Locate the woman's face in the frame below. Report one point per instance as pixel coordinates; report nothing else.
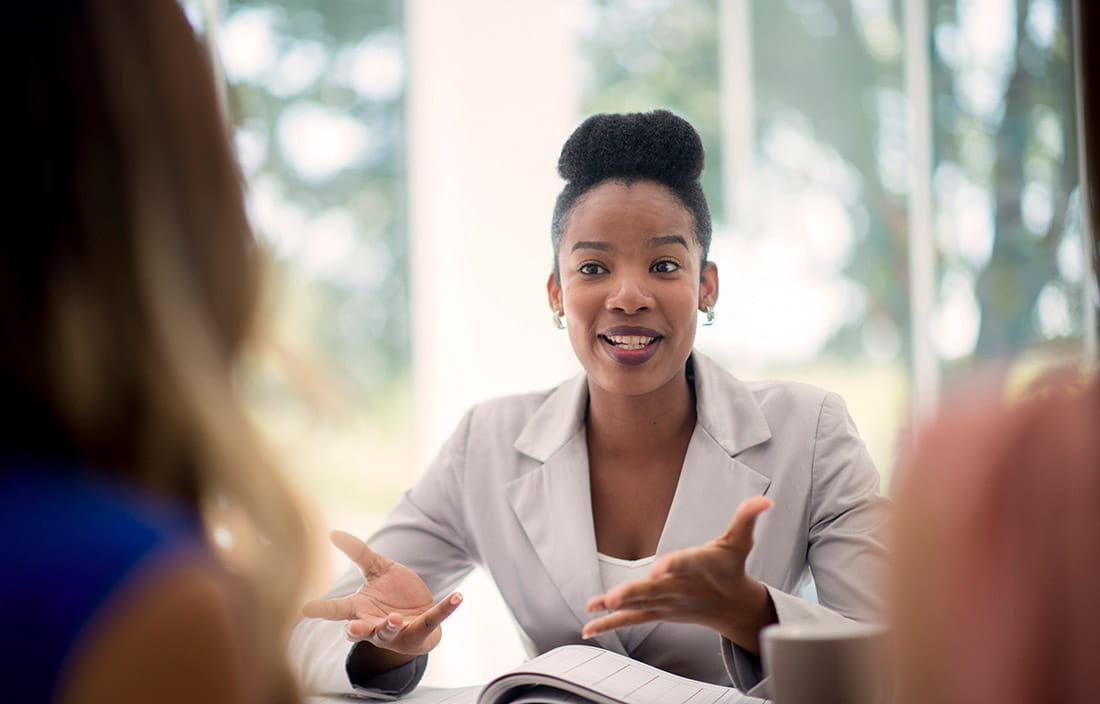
(629, 284)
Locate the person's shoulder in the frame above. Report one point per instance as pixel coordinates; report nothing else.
(764, 392)
(74, 541)
(790, 394)
(105, 517)
(777, 400)
(534, 424)
(79, 537)
(193, 612)
(510, 406)
(514, 411)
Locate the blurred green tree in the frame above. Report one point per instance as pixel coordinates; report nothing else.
(834, 67)
(1030, 167)
(317, 94)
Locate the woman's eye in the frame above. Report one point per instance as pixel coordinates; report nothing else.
(591, 269)
(666, 266)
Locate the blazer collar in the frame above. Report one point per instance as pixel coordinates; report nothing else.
(556, 421)
(553, 501)
(725, 406)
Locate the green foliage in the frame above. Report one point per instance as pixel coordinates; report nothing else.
(1034, 141)
(352, 315)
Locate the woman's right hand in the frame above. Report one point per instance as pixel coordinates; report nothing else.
(394, 610)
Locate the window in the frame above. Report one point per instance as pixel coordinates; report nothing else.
(894, 186)
(813, 132)
(317, 99)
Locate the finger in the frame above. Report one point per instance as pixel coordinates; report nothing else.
(430, 619)
(607, 601)
(619, 619)
(370, 562)
(385, 631)
(739, 534)
(681, 562)
(596, 603)
(338, 609)
(654, 601)
(359, 629)
(639, 590)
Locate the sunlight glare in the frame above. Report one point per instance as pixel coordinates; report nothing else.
(320, 141)
(248, 45)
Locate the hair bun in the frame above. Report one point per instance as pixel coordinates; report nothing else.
(657, 144)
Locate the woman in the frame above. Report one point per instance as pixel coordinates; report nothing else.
(124, 447)
(615, 491)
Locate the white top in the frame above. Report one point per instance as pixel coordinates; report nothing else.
(615, 571)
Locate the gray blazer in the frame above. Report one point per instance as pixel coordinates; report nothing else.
(509, 491)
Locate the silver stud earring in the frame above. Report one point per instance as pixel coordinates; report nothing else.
(709, 310)
(557, 320)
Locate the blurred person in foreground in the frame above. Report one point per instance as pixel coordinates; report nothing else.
(619, 508)
(128, 289)
(997, 574)
(997, 583)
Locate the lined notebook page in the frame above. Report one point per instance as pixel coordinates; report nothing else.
(621, 678)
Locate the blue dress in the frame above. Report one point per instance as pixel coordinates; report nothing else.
(67, 542)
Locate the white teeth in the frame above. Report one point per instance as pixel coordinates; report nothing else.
(629, 342)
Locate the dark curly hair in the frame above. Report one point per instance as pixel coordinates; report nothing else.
(629, 147)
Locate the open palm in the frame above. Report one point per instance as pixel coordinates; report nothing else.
(706, 585)
(394, 609)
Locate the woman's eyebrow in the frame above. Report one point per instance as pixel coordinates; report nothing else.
(666, 239)
(588, 244)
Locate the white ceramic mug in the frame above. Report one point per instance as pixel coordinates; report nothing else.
(836, 663)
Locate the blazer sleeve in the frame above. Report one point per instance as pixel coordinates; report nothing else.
(846, 541)
(426, 532)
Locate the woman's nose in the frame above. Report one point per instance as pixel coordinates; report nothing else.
(629, 295)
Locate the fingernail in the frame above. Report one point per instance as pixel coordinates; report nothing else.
(456, 599)
(390, 626)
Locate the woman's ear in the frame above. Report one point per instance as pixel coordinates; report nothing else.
(708, 286)
(553, 293)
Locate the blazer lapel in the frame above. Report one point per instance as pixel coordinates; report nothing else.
(709, 481)
(713, 482)
(553, 502)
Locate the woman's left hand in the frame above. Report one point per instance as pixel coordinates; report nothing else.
(705, 585)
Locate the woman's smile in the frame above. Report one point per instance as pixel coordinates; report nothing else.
(630, 345)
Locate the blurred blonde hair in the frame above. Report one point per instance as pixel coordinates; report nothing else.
(129, 300)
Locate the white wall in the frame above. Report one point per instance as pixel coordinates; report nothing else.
(492, 98)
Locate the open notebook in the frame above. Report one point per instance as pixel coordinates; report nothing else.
(583, 674)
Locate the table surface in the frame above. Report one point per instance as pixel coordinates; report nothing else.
(421, 695)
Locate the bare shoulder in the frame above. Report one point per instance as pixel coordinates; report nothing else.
(172, 633)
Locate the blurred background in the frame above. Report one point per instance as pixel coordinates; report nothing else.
(894, 186)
